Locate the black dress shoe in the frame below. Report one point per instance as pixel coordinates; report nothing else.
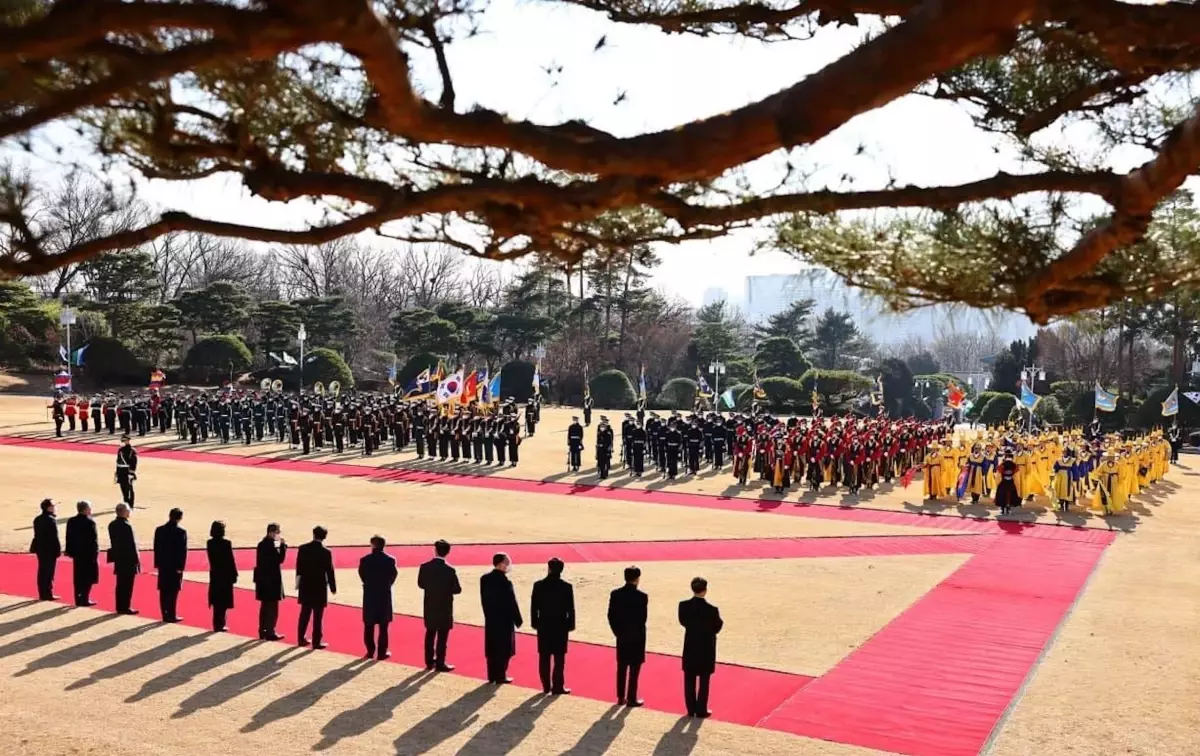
(562, 692)
(172, 620)
(85, 603)
(702, 714)
(502, 681)
(385, 655)
(129, 612)
(320, 644)
(445, 668)
(270, 636)
(633, 704)
(302, 642)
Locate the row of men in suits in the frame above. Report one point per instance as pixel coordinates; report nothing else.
(552, 604)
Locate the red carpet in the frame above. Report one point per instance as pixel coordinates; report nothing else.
(817, 511)
(742, 695)
(345, 557)
(936, 681)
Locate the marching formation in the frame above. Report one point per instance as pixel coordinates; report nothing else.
(855, 453)
(1099, 472)
(552, 612)
(485, 434)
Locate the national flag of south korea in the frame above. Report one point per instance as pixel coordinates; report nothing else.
(451, 387)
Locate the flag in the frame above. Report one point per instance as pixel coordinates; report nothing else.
(642, 384)
(62, 354)
(587, 387)
(289, 359)
(491, 394)
(450, 387)
(275, 356)
(476, 380)
(420, 386)
(158, 379)
(1193, 395)
(877, 394)
(702, 385)
(727, 398)
(62, 381)
(1105, 401)
(1170, 407)
(955, 396)
(759, 391)
(77, 356)
(537, 378)
(1029, 400)
(961, 488)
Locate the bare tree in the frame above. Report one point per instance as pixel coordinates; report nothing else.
(429, 274)
(963, 351)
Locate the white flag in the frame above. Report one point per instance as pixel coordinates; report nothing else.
(1193, 395)
(62, 353)
(289, 359)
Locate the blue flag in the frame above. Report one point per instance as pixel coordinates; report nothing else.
(1170, 407)
(1029, 400)
(492, 392)
(1105, 401)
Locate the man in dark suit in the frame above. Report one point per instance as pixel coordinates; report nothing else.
(48, 549)
(701, 622)
(552, 615)
(315, 580)
(627, 608)
(501, 618)
(170, 560)
(268, 580)
(378, 573)
(123, 556)
(83, 547)
(439, 581)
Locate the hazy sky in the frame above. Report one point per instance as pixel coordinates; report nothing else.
(665, 80)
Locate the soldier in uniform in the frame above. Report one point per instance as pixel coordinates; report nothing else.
(588, 403)
(58, 412)
(260, 418)
(97, 413)
(673, 443)
(500, 437)
(574, 445)
(637, 450)
(126, 472)
(110, 414)
(514, 441)
(626, 447)
(604, 447)
(695, 439)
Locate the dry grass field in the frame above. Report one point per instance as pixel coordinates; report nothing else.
(1122, 675)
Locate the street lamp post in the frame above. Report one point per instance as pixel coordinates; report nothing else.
(717, 368)
(1030, 374)
(67, 319)
(301, 335)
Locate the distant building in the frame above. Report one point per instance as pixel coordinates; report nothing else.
(715, 294)
(768, 295)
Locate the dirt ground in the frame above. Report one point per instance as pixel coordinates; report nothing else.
(863, 593)
(354, 509)
(89, 684)
(1122, 676)
(543, 457)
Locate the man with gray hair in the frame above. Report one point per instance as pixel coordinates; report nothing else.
(123, 556)
(83, 548)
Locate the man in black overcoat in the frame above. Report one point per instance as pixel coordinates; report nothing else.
(123, 556)
(48, 549)
(315, 580)
(83, 547)
(501, 618)
(170, 560)
(552, 615)
(701, 622)
(440, 583)
(378, 573)
(268, 580)
(627, 609)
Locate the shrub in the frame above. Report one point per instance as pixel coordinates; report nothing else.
(213, 358)
(981, 401)
(677, 394)
(108, 362)
(612, 389)
(1049, 411)
(997, 410)
(326, 366)
(779, 356)
(516, 381)
(836, 387)
(1149, 414)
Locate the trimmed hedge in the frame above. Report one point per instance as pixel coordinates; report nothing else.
(998, 409)
(214, 357)
(413, 367)
(108, 362)
(612, 389)
(326, 366)
(677, 394)
(516, 381)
